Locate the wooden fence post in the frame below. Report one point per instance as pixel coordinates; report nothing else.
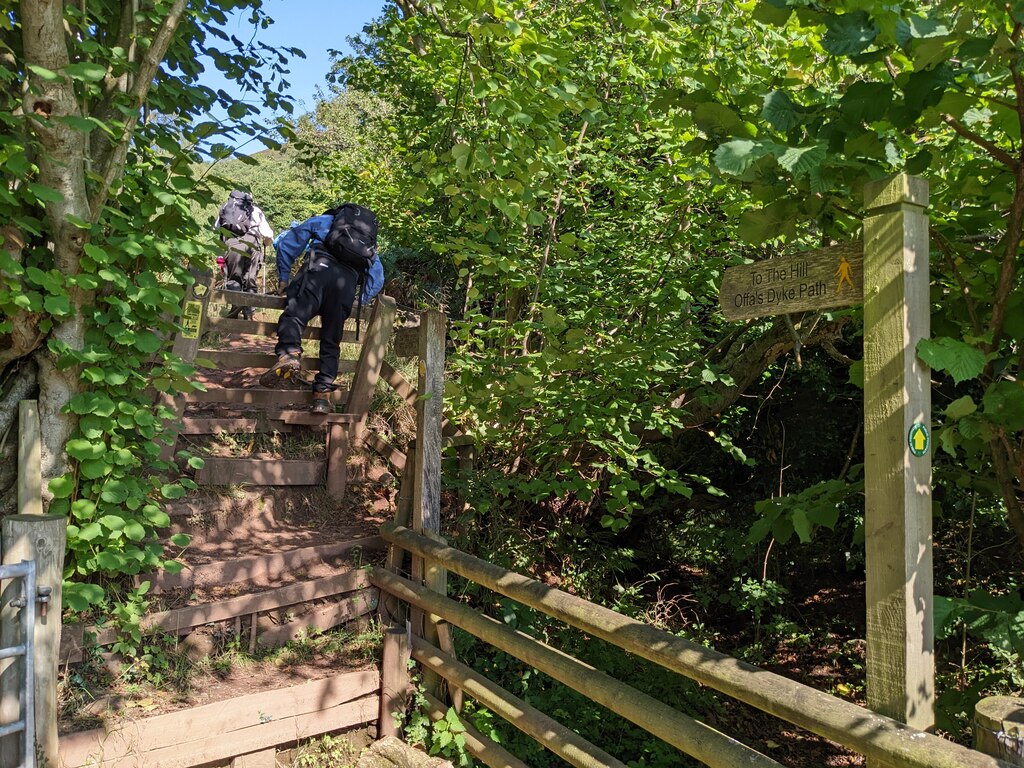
(30, 473)
(897, 453)
(186, 345)
(999, 728)
(426, 506)
(364, 381)
(394, 680)
(42, 538)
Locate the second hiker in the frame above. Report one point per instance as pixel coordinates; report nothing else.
(245, 232)
(342, 245)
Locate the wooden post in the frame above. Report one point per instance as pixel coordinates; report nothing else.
(426, 505)
(30, 474)
(364, 381)
(41, 538)
(394, 680)
(186, 345)
(337, 458)
(999, 728)
(897, 470)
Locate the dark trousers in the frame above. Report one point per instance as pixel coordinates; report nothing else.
(326, 289)
(242, 268)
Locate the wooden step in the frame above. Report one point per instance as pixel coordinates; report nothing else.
(245, 299)
(279, 421)
(233, 359)
(260, 567)
(223, 471)
(253, 396)
(214, 733)
(181, 620)
(263, 328)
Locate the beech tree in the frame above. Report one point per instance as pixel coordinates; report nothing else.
(102, 116)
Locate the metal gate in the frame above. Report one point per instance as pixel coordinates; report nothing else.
(26, 601)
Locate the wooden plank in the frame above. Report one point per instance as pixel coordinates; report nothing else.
(398, 382)
(42, 538)
(181, 620)
(253, 396)
(218, 471)
(227, 728)
(996, 719)
(814, 280)
(232, 359)
(396, 457)
(322, 619)
(263, 567)
(394, 683)
(245, 299)
(264, 328)
(897, 478)
(265, 758)
(306, 417)
(371, 359)
(406, 342)
(30, 473)
(337, 459)
(201, 426)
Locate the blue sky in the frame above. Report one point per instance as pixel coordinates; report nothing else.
(314, 26)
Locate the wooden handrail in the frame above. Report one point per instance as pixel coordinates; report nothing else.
(873, 735)
(690, 736)
(567, 744)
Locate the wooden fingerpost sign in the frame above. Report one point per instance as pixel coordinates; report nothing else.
(889, 273)
(897, 453)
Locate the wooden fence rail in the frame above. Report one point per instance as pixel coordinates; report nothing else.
(880, 738)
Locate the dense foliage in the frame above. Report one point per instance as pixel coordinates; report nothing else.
(103, 115)
(568, 182)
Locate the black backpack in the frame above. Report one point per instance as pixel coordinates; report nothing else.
(352, 239)
(236, 214)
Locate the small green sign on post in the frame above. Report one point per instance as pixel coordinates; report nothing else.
(918, 439)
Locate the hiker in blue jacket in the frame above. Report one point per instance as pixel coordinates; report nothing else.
(324, 286)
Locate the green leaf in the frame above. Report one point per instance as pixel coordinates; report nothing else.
(84, 450)
(1004, 404)
(172, 491)
(86, 70)
(959, 360)
(181, 539)
(62, 487)
(736, 156)
(961, 407)
(44, 193)
(719, 120)
(780, 111)
(802, 160)
(849, 33)
(78, 597)
(43, 73)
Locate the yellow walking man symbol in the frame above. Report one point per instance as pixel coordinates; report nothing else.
(843, 272)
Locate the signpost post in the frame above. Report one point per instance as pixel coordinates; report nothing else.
(889, 274)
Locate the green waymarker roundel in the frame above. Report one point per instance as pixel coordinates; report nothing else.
(919, 440)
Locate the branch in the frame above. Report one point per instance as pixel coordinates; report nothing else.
(137, 95)
(949, 252)
(996, 152)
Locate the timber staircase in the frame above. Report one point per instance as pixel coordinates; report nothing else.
(251, 409)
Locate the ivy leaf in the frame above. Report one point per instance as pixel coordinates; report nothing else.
(959, 360)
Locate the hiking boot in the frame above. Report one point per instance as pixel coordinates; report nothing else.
(284, 371)
(235, 311)
(321, 403)
(247, 313)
